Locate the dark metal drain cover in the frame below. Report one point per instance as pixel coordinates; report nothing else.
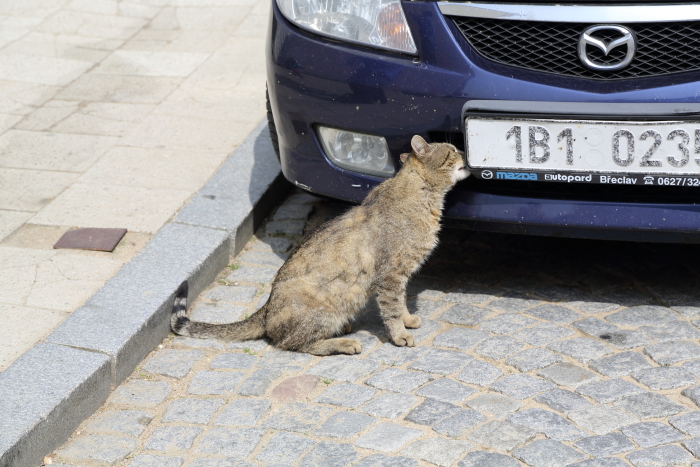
(91, 239)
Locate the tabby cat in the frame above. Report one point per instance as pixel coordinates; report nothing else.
(373, 248)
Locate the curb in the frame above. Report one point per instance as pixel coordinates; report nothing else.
(49, 390)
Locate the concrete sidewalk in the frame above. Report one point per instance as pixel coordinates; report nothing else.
(112, 114)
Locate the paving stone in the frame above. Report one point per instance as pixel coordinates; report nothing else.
(513, 303)
(687, 311)
(155, 461)
(284, 360)
(668, 353)
(343, 368)
(367, 340)
(387, 437)
(242, 412)
(293, 211)
(460, 338)
(693, 445)
(601, 420)
(215, 382)
(581, 348)
(225, 293)
(479, 373)
(380, 460)
(552, 425)
(258, 383)
(693, 394)
(498, 347)
(649, 405)
(297, 417)
(191, 410)
(264, 258)
(641, 315)
(619, 338)
(427, 327)
(440, 361)
(589, 305)
(223, 462)
(555, 292)
(217, 313)
(329, 454)
(460, 423)
(127, 422)
(196, 343)
(671, 331)
(346, 395)
(276, 244)
(442, 452)
(465, 293)
(543, 334)
(467, 315)
(533, 359)
(258, 274)
(393, 379)
(173, 363)
(554, 313)
(389, 405)
(487, 459)
(660, 456)
(660, 378)
(610, 390)
(605, 445)
(285, 227)
(423, 307)
(521, 386)
(250, 346)
(693, 366)
(296, 388)
(102, 448)
(172, 438)
(688, 423)
(506, 323)
(496, 404)
(285, 447)
(627, 296)
(344, 425)
(650, 434)
(602, 462)
(141, 393)
(234, 361)
(390, 354)
(502, 436)
(238, 442)
(432, 411)
(547, 453)
(563, 401)
(620, 364)
(446, 390)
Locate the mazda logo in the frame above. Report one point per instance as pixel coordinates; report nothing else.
(588, 37)
(487, 174)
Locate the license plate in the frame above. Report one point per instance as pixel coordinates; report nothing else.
(607, 152)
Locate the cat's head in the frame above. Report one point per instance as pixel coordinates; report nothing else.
(442, 162)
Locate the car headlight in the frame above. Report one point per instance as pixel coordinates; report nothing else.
(378, 23)
(358, 152)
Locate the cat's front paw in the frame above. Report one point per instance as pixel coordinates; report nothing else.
(349, 346)
(404, 340)
(411, 321)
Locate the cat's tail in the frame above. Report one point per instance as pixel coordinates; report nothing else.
(250, 328)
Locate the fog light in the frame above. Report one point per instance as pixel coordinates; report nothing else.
(358, 152)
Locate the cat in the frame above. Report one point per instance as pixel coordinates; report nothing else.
(373, 248)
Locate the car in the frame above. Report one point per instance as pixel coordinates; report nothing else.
(579, 119)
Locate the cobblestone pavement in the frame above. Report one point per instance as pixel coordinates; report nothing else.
(533, 351)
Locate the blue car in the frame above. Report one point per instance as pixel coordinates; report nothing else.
(577, 120)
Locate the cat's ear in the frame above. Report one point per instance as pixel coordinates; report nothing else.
(420, 147)
(404, 157)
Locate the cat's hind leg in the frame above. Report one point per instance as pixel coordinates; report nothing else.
(338, 345)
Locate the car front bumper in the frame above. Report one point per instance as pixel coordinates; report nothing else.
(314, 80)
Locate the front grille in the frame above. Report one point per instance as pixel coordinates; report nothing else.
(662, 48)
